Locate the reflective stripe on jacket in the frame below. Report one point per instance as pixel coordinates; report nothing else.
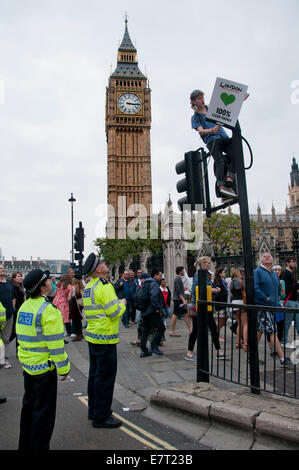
(40, 333)
(103, 310)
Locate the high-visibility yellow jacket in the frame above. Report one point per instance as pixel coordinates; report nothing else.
(103, 310)
(40, 333)
(2, 320)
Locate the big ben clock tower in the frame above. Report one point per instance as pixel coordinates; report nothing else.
(128, 122)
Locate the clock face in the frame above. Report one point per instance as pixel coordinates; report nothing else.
(129, 103)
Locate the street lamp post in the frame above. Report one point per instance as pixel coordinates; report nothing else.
(72, 200)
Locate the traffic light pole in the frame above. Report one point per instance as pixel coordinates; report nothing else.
(79, 246)
(202, 374)
(195, 169)
(72, 200)
(237, 150)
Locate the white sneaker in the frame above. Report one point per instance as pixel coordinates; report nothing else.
(7, 365)
(290, 346)
(228, 192)
(227, 199)
(191, 358)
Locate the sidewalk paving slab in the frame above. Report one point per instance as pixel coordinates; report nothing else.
(220, 414)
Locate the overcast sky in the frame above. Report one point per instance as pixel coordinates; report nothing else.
(56, 58)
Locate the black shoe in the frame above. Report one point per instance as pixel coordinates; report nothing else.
(286, 362)
(2, 399)
(145, 353)
(111, 422)
(157, 351)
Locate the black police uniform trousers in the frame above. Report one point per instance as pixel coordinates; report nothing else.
(38, 411)
(102, 375)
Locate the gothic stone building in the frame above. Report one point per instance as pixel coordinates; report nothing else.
(277, 230)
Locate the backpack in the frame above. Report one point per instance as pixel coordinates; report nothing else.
(142, 298)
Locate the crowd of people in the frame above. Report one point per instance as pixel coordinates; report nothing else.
(41, 312)
(67, 296)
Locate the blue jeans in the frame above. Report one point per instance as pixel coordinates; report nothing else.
(167, 312)
(289, 317)
(127, 315)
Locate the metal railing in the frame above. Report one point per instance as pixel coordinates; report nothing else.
(247, 362)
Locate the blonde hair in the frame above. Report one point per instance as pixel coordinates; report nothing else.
(235, 273)
(202, 260)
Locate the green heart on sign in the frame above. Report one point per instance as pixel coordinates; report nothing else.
(227, 99)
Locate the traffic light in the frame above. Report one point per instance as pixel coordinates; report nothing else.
(195, 183)
(79, 239)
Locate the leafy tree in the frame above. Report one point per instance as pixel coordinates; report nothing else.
(224, 231)
(114, 249)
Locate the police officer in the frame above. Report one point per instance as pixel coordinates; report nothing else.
(103, 311)
(40, 334)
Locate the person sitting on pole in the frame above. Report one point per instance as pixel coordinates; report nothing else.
(218, 143)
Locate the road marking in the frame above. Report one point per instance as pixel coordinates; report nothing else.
(160, 442)
(146, 433)
(139, 438)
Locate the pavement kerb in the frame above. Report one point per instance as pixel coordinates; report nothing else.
(254, 421)
(236, 416)
(278, 426)
(170, 399)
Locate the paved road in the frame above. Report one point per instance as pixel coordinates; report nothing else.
(137, 379)
(73, 431)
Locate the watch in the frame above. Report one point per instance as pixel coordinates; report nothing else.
(129, 103)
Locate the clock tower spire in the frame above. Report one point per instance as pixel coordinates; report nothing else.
(128, 123)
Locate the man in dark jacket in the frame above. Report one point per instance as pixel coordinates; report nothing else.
(151, 317)
(267, 293)
(124, 289)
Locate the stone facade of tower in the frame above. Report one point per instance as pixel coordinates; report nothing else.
(128, 123)
(294, 188)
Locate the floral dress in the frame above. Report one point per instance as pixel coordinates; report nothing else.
(61, 302)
